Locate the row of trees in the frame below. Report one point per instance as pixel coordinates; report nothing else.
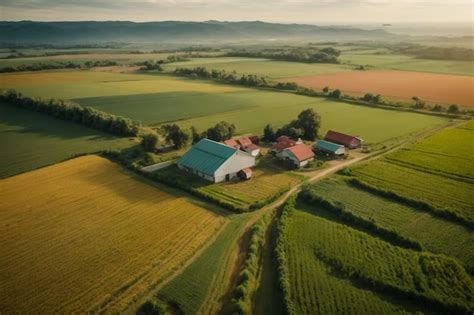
(224, 76)
(300, 54)
(70, 111)
(57, 65)
(305, 126)
(179, 137)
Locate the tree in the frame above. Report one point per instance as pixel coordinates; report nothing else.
(437, 108)
(149, 142)
(195, 136)
(174, 134)
(326, 89)
(335, 94)
(309, 121)
(419, 103)
(268, 133)
(453, 109)
(290, 130)
(221, 131)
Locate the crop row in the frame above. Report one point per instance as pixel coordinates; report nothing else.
(439, 194)
(425, 279)
(450, 238)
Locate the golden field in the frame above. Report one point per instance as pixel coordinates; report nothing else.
(84, 236)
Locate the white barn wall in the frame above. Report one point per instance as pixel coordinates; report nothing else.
(233, 165)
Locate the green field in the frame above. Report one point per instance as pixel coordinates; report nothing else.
(336, 269)
(450, 239)
(159, 98)
(31, 140)
(261, 67)
(408, 63)
(443, 193)
(450, 151)
(190, 289)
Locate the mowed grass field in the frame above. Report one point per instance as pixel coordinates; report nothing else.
(431, 87)
(150, 98)
(336, 269)
(408, 63)
(433, 233)
(84, 236)
(30, 140)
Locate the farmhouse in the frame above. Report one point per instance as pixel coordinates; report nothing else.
(299, 154)
(215, 161)
(326, 148)
(350, 142)
(284, 142)
(248, 146)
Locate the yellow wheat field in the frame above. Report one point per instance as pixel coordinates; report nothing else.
(83, 236)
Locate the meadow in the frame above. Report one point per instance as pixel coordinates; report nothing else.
(407, 221)
(407, 63)
(149, 98)
(335, 269)
(31, 140)
(89, 237)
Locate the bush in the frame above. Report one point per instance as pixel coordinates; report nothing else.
(149, 142)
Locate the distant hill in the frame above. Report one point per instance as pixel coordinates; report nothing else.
(172, 31)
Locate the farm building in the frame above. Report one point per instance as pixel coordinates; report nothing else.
(248, 146)
(348, 141)
(215, 161)
(299, 154)
(326, 148)
(244, 144)
(284, 142)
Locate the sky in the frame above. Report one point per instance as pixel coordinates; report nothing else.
(284, 11)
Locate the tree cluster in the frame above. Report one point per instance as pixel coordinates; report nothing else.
(299, 54)
(70, 111)
(57, 65)
(222, 75)
(305, 126)
(175, 135)
(220, 132)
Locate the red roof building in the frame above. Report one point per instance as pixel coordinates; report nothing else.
(231, 143)
(349, 141)
(244, 141)
(302, 152)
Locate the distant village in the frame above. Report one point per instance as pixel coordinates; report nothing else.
(234, 158)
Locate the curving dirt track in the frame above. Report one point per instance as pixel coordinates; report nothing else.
(431, 87)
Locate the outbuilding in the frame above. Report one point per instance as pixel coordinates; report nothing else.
(298, 154)
(215, 161)
(348, 141)
(326, 148)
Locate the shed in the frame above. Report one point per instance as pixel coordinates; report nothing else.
(350, 142)
(327, 148)
(299, 154)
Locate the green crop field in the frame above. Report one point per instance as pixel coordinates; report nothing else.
(404, 62)
(336, 269)
(261, 67)
(191, 288)
(159, 98)
(450, 239)
(450, 151)
(30, 140)
(443, 193)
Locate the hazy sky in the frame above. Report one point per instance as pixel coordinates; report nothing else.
(303, 11)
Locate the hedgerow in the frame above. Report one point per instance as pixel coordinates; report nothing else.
(281, 257)
(67, 110)
(247, 279)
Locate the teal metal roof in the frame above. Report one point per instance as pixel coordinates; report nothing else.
(328, 146)
(206, 156)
